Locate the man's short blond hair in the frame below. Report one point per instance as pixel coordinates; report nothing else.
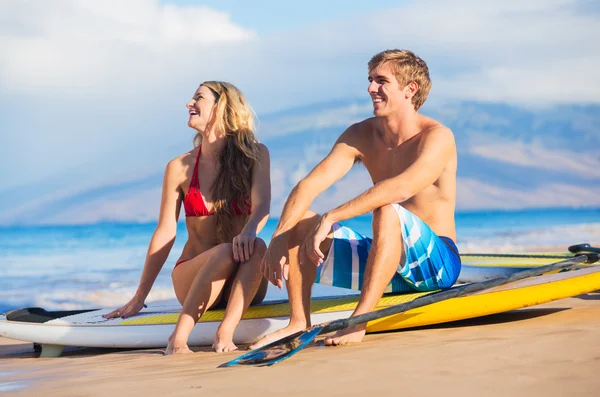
(408, 68)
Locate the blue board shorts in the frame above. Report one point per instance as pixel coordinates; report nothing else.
(432, 262)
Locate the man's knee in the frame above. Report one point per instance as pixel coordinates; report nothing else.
(302, 228)
(384, 217)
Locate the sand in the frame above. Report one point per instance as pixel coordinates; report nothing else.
(549, 350)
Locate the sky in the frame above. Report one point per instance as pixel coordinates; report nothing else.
(267, 17)
(94, 92)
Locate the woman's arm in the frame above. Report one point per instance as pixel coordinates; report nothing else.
(260, 193)
(162, 239)
(243, 244)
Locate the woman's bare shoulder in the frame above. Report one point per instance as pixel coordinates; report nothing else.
(179, 166)
(263, 150)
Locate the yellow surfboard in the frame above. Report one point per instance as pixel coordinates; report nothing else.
(152, 326)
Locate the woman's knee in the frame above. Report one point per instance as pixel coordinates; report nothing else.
(222, 255)
(224, 247)
(260, 247)
(223, 250)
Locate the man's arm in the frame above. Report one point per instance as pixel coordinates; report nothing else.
(435, 153)
(337, 164)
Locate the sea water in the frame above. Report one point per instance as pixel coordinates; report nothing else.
(99, 265)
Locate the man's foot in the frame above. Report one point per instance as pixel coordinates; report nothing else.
(272, 337)
(348, 335)
(172, 349)
(223, 344)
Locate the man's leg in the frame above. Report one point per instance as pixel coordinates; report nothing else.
(382, 263)
(300, 281)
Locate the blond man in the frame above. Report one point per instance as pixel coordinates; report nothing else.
(412, 161)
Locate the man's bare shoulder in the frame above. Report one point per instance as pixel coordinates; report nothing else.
(435, 131)
(358, 131)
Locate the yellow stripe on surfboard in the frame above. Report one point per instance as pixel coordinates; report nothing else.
(450, 310)
(277, 310)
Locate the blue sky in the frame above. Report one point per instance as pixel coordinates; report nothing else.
(268, 17)
(93, 93)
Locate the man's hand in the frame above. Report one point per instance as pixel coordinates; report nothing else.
(275, 263)
(312, 244)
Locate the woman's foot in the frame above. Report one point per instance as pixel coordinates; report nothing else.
(223, 344)
(172, 349)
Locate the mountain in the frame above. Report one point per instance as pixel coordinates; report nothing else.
(509, 157)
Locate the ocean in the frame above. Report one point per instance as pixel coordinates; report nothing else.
(99, 265)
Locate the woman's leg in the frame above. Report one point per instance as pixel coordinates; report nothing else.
(247, 282)
(212, 268)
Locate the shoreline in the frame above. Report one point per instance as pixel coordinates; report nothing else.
(545, 350)
(160, 293)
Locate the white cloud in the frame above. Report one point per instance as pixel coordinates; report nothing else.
(511, 50)
(100, 87)
(546, 81)
(87, 46)
(536, 155)
(84, 83)
(341, 117)
(139, 206)
(475, 195)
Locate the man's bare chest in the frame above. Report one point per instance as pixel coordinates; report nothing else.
(383, 162)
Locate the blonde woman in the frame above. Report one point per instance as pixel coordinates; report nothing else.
(224, 186)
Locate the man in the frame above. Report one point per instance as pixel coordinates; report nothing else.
(412, 161)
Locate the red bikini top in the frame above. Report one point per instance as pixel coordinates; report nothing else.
(194, 203)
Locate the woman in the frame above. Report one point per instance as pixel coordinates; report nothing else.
(224, 185)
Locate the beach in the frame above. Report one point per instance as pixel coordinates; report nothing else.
(152, 148)
(546, 350)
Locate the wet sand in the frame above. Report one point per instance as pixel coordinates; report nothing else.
(548, 350)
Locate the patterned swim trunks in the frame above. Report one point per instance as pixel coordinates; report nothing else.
(432, 262)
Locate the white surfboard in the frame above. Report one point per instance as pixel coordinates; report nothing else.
(152, 326)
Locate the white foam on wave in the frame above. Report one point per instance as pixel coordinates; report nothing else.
(552, 238)
(117, 295)
(75, 300)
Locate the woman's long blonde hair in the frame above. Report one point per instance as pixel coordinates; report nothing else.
(234, 118)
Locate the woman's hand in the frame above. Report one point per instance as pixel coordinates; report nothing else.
(243, 246)
(129, 309)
